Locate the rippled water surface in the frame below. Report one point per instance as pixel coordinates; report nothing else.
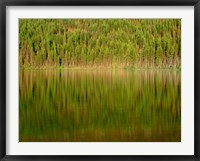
(99, 105)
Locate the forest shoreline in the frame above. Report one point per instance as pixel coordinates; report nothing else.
(113, 43)
(96, 68)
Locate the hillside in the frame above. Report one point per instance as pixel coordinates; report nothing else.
(135, 43)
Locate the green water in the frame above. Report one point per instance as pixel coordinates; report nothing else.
(99, 105)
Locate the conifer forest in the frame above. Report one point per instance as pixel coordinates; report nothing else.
(99, 80)
(116, 43)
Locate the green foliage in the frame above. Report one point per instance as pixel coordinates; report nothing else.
(141, 43)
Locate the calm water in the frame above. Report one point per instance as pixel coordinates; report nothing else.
(99, 105)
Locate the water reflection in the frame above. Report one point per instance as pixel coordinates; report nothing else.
(99, 105)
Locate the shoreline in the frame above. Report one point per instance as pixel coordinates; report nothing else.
(97, 68)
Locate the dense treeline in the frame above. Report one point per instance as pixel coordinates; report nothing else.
(139, 43)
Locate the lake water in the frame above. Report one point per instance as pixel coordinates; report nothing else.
(99, 105)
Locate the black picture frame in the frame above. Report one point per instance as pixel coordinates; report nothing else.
(5, 3)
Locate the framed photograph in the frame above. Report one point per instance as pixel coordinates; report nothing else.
(99, 80)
